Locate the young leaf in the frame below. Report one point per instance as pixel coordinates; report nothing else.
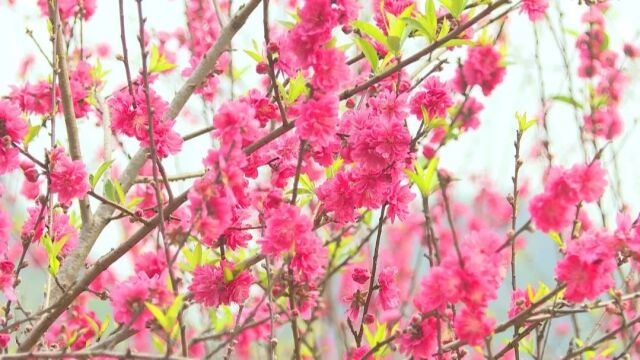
(369, 52)
(372, 31)
(158, 62)
(101, 170)
(161, 318)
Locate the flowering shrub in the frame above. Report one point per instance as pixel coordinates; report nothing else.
(175, 204)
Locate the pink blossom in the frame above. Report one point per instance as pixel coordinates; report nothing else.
(550, 214)
(284, 226)
(69, 178)
(590, 180)
(587, 267)
(7, 279)
(435, 99)
(220, 284)
(330, 70)
(398, 202)
(390, 106)
(360, 275)
(69, 8)
(534, 9)
(210, 205)
(151, 263)
(468, 113)
(337, 196)
(482, 68)
(318, 119)
(604, 122)
(380, 145)
(519, 302)
(130, 116)
(472, 325)
(420, 338)
(128, 299)
(388, 293)
(12, 129)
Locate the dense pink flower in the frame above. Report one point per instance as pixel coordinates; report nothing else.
(284, 227)
(236, 122)
(360, 275)
(69, 178)
(519, 302)
(398, 202)
(591, 180)
(318, 119)
(62, 228)
(33, 98)
(550, 214)
(12, 129)
(388, 293)
(468, 113)
(472, 325)
(130, 116)
(337, 197)
(587, 267)
(220, 284)
(69, 8)
(435, 99)
(264, 109)
(534, 9)
(481, 68)
(78, 322)
(7, 279)
(128, 299)
(310, 257)
(380, 145)
(151, 263)
(390, 106)
(420, 338)
(604, 122)
(210, 205)
(330, 70)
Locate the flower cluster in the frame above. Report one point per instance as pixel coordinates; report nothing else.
(553, 210)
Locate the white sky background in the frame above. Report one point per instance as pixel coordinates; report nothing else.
(488, 150)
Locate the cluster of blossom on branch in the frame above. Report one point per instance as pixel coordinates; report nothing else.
(318, 215)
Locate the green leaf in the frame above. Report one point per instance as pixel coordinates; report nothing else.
(97, 72)
(109, 190)
(455, 7)
(31, 134)
(297, 87)
(255, 56)
(175, 308)
(158, 62)
(369, 52)
(228, 273)
(101, 170)
(333, 169)
(105, 325)
(372, 31)
(557, 239)
(444, 29)
(568, 100)
(92, 323)
(119, 191)
(161, 318)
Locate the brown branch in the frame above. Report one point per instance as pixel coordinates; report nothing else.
(372, 280)
(90, 231)
(67, 103)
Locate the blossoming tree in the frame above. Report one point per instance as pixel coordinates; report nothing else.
(316, 217)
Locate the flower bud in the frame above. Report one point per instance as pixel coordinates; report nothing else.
(262, 68)
(369, 319)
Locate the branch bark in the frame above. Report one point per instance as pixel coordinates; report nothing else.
(91, 230)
